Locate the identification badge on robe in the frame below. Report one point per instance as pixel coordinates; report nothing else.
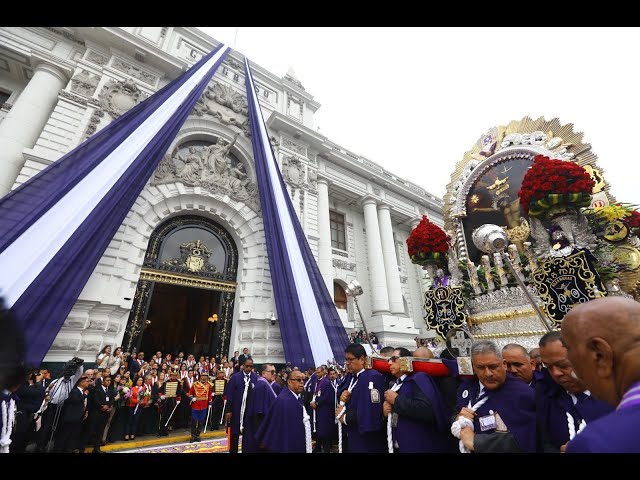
(375, 396)
(465, 394)
(500, 425)
(106, 399)
(394, 420)
(488, 422)
(319, 392)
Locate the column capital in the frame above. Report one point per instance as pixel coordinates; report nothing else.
(382, 205)
(369, 199)
(415, 221)
(322, 178)
(60, 69)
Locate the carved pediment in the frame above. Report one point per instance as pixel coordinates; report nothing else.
(225, 104)
(210, 166)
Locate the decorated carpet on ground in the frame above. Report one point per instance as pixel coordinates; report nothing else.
(216, 445)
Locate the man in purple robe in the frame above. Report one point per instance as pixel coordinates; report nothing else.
(415, 409)
(519, 363)
(238, 394)
(324, 403)
(361, 397)
(286, 427)
(603, 342)
(558, 393)
(501, 408)
(262, 397)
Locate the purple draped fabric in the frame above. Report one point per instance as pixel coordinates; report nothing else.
(295, 337)
(43, 307)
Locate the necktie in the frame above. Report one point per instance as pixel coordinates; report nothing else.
(581, 397)
(398, 381)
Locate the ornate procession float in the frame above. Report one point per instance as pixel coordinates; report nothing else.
(530, 230)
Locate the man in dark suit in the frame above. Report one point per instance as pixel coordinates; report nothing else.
(100, 407)
(73, 412)
(244, 357)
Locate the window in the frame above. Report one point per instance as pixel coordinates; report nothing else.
(4, 97)
(395, 247)
(336, 221)
(339, 296)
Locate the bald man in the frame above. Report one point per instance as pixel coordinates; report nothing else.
(423, 352)
(603, 343)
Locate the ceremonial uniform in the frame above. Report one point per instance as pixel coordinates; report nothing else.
(616, 432)
(419, 417)
(286, 427)
(262, 397)
(325, 413)
(238, 393)
(552, 405)
(506, 422)
(217, 403)
(200, 394)
(365, 423)
(170, 394)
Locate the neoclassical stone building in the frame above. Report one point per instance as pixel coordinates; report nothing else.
(193, 244)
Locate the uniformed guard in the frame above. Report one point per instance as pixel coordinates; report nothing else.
(170, 395)
(200, 395)
(218, 401)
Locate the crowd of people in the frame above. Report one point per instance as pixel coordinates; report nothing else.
(578, 391)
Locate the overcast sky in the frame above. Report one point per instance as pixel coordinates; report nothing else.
(414, 99)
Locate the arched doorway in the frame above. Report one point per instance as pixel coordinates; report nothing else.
(187, 280)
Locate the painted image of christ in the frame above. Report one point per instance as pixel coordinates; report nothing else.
(494, 199)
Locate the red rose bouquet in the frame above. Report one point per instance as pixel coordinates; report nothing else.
(633, 222)
(550, 183)
(427, 242)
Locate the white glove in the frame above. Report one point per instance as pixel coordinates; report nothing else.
(193, 399)
(162, 397)
(178, 402)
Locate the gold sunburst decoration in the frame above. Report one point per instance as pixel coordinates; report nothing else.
(561, 142)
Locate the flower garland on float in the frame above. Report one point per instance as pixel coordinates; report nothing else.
(551, 185)
(427, 243)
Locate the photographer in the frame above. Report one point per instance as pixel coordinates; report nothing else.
(30, 397)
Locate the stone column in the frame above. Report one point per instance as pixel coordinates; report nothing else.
(394, 287)
(23, 124)
(377, 275)
(325, 261)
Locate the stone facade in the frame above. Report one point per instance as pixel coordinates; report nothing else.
(86, 77)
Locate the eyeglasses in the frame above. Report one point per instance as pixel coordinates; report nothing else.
(296, 380)
(271, 371)
(393, 358)
(349, 359)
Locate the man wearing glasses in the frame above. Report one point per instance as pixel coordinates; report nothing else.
(262, 397)
(418, 415)
(238, 392)
(360, 412)
(558, 393)
(286, 427)
(324, 405)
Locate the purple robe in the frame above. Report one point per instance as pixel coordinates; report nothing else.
(617, 432)
(233, 392)
(368, 435)
(276, 387)
(552, 405)
(326, 426)
(514, 401)
(282, 430)
(262, 397)
(416, 435)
